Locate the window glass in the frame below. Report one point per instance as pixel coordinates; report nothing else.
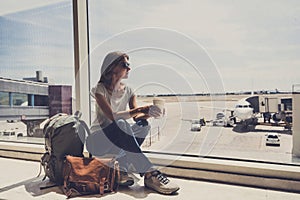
(36, 51)
(191, 55)
(20, 99)
(40, 100)
(4, 99)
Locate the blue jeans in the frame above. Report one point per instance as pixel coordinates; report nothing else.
(124, 141)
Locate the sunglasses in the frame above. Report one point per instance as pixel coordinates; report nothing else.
(125, 64)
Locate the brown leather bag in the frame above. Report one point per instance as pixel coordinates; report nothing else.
(90, 176)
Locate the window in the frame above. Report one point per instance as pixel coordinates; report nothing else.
(19, 99)
(36, 52)
(191, 58)
(189, 94)
(191, 67)
(4, 99)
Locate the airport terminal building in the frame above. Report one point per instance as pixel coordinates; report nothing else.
(33, 100)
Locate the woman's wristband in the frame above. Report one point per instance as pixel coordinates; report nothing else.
(136, 111)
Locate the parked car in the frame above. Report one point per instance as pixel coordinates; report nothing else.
(272, 139)
(223, 120)
(195, 126)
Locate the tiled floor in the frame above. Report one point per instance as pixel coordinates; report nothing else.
(18, 181)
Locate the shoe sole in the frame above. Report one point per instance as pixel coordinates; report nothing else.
(162, 191)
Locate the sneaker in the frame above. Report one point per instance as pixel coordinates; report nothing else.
(160, 183)
(125, 180)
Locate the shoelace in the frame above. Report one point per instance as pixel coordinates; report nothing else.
(162, 178)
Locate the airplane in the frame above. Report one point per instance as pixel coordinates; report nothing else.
(243, 111)
(247, 110)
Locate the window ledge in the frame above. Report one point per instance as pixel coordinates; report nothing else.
(261, 175)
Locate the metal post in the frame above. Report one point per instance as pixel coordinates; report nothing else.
(296, 120)
(10, 99)
(150, 138)
(81, 58)
(32, 100)
(158, 133)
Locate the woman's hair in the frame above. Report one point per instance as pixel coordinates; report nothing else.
(106, 76)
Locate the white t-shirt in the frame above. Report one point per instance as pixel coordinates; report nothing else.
(118, 101)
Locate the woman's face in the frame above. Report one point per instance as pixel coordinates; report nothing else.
(121, 71)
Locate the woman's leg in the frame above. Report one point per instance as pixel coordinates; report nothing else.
(140, 132)
(121, 135)
(98, 144)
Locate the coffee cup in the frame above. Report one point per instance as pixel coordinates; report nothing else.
(160, 103)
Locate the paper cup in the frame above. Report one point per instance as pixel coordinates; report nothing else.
(160, 103)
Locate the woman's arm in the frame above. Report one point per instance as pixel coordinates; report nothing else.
(133, 105)
(106, 108)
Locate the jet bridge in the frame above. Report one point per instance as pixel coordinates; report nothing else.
(276, 108)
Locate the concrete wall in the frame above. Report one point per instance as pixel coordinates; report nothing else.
(13, 113)
(296, 124)
(24, 87)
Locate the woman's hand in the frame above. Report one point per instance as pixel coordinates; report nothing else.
(151, 110)
(155, 111)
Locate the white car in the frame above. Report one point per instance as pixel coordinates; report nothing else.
(272, 139)
(195, 127)
(223, 120)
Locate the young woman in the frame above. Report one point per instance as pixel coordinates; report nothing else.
(112, 134)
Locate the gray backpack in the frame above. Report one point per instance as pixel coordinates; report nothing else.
(64, 135)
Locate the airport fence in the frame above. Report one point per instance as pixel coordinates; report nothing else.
(153, 136)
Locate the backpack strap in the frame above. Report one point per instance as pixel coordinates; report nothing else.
(87, 130)
(40, 171)
(85, 126)
(78, 114)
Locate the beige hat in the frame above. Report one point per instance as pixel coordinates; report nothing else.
(109, 59)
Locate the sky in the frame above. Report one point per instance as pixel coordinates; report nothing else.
(174, 46)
